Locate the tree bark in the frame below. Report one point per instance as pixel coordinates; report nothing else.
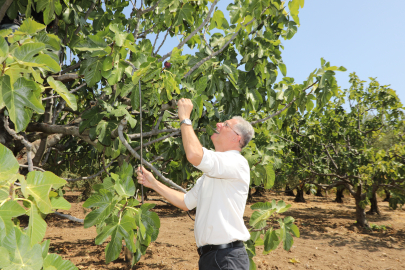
(300, 195)
(387, 195)
(360, 211)
(374, 204)
(288, 191)
(339, 194)
(319, 192)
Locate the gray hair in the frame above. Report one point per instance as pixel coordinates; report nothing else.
(245, 130)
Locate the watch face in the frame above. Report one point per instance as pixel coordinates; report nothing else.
(187, 122)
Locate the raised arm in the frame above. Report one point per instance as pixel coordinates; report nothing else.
(192, 145)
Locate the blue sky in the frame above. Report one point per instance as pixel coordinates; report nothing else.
(365, 36)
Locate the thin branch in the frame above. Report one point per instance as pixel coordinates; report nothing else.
(283, 109)
(152, 133)
(192, 33)
(393, 186)
(164, 40)
(151, 8)
(71, 68)
(91, 176)
(154, 43)
(34, 167)
(159, 139)
(85, 17)
(137, 156)
(25, 142)
(159, 120)
(69, 217)
(4, 8)
(66, 77)
(103, 159)
(329, 156)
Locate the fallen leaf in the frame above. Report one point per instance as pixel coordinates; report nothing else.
(293, 260)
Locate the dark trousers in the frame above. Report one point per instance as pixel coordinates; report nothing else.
(234, 258)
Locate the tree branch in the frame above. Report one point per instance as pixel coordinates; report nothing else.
(85, 17)
(330, 158)
(20, 138)
(69, 217)
(66, 77)
(159, 139)
(34, 167)
(136, 155)
(181, 44)
(4, 8)
(71, 68)
(152, 133)
(164, 40)
(151, 8)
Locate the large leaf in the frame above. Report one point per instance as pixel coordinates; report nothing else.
(54, 261)
(20, 255)
(36, 226)
(125, 186)
(61, 89)
(9, 210)
(60, 203)
(186, 13)
(271, 176)
(49, 8)
(30, 27)
(105, 203)
(24, 94)
(8, 164)
(38, 185)
(3, 47)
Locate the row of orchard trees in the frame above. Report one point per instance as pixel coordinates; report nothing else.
(356, 142)
(70, 106)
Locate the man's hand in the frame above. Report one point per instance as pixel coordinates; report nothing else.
(147, 179)
(185, 106)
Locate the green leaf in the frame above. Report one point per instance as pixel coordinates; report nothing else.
(9, 210)
(125, 186)
(38, 185)
(60, 203)
(92, 73)
(295, 230)
(49, 8)
(30, 27)
(56, 261)
(186, 13)
(309, 105)
(61, 89)
(283, 68)
(45, 248)
(271, 176)
(24, 94)
(271, 241)
(91, 44)
(120, 34)
(20, 254)
(8, 165)
(36, 226)
(103, 131)
(105, 203)
(3, 47)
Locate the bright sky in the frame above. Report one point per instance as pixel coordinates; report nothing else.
(365, 36)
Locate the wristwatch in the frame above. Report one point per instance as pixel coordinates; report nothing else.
(187, 122)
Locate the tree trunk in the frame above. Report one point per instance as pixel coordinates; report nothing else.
(374, 205)
(300, 196)
(288, 191)
(360, 212)
(319, 192)
(387, 195)
(339, 195)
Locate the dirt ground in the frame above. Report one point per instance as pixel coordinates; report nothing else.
(329, 239)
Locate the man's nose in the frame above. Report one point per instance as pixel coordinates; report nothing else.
(220, 125)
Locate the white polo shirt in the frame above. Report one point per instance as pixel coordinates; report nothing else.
(220, 196)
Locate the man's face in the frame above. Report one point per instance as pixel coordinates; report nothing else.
(227, 135)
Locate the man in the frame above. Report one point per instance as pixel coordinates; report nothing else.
(220, 194)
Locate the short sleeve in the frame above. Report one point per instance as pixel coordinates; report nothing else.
(191, 197)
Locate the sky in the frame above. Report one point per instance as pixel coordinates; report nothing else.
(364, 36)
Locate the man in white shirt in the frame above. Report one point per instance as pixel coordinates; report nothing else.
(220, 194)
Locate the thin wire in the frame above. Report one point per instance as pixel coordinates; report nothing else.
(140, 116)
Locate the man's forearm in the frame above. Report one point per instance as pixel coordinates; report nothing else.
(173, 196)
(192, 145)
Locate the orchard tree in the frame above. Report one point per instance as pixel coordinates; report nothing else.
(79, 77)
(336, 144)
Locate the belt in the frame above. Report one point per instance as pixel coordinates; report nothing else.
(207, 248)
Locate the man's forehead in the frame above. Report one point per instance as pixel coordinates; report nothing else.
(232, 121)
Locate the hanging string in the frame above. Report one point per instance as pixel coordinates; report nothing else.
(140, 118)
